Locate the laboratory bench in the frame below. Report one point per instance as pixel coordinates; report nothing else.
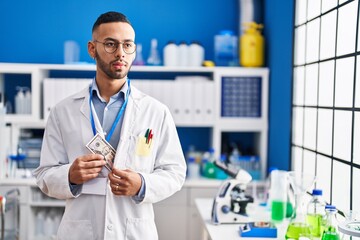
(230, 231)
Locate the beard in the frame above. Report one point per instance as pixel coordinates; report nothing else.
(106, 68)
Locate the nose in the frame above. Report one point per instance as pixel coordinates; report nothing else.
(119, 53)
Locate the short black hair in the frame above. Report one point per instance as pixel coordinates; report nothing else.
(109, 17)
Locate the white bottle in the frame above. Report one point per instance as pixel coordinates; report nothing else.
(154, 57)
(19, 101)
(171, 54)
(183, 54)
(27, 102)
(39, 223)
(196, 54)
(193, 169)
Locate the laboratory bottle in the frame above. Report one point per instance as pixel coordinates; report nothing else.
(252, 46)
(139, 60)
(330, 224)
(226, 49)
(234, 157)
(183, 54)
(196, 54)
(193, 168)
(221, 174)
(19, 101)
(316, 212)
(208, 167)
(27, 102)
(154, 57)
(171, 54)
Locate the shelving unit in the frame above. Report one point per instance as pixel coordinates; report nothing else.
(219, 124)
(215, 121)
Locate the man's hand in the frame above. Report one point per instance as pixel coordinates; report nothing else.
(85, 168)
(124, 182)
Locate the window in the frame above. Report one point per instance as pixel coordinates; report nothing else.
(326, 98)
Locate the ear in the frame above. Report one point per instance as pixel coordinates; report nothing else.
(91, 49)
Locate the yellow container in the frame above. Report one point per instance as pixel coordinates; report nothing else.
(252, 46)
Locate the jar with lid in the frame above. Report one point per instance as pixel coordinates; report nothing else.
(226, 49)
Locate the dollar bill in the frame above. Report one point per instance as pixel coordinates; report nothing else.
(99, 145)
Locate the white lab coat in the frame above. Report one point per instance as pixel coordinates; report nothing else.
(91, 216)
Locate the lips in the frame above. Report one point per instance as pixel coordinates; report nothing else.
(118, 65)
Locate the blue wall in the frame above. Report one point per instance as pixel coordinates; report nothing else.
(35, 31)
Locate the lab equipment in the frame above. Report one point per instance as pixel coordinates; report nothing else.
(226, 49)
(258, 229)
(252, 46)
(350, 228)
(316, 212)
(230, 201)
(71, 52)
(278, 189)
(193, 168)
(171, 52)
(196, 54)
(330, 224)
(298, 227)
(183, 55)
(154, 57)
(139, 60)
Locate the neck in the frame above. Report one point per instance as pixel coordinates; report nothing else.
(109, 88)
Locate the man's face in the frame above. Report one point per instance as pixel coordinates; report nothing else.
(114, 65)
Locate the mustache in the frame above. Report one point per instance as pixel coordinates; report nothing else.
(119, 60)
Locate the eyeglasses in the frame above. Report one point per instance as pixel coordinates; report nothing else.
(110, 46)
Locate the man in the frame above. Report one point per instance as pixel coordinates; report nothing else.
(148, 165)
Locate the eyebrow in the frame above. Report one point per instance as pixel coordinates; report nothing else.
(115, 40)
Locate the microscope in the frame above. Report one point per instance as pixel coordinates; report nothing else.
(230, 202)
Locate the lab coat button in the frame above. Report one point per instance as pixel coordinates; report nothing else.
(106, 109)
(109, 227)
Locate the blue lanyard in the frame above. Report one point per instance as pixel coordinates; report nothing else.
(108, 136)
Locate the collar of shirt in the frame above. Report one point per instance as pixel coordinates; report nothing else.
(113, 98)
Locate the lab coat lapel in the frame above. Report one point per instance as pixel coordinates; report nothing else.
(127, 127)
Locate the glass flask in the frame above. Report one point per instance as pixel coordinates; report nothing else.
(331, 226)
(298, 227)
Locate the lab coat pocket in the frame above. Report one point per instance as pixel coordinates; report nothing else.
(140, 228)
(75, 230)
(140, 155)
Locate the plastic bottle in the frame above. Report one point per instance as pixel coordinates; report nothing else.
(252, 46)
(27, 102)
(196, 54)
(154, 57)
(316, 212)
(193, 168)
(19, 101)
(208, 168)
(234, 157)
(330, 224)
(183, 54)
(139, 60)
(171, 53)
(226, 49)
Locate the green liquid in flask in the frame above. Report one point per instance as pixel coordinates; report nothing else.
(315, 221)
(278, 209)
(296, 230)
(330, 234)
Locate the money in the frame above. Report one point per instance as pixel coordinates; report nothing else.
(98, 145)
